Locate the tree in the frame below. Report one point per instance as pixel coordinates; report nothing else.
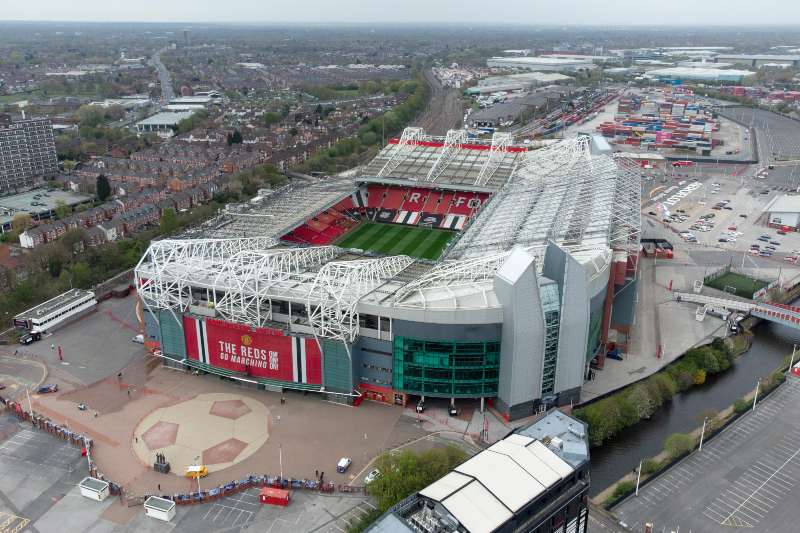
(62, 209)
(21, 222)
(407, 472)
(235, 138)
(678, 444)
(270, 117)
(169, 222)
(103, 188)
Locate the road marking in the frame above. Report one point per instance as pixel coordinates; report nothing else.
(728, 519)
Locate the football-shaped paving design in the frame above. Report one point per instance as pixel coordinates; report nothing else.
(160, 435)
(221, 429)
(232, 409)
(224, 452)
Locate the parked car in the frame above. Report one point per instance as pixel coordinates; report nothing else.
(343, 464)
(372, 476)
(30, 338)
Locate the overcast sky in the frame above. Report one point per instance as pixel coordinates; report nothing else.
(644, 12)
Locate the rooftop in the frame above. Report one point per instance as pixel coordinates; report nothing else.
(784, 204)
(486, 491)
(62, 300)
(169, 119)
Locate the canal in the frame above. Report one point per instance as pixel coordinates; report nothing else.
(686, 411)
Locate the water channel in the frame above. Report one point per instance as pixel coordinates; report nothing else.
(686, 411)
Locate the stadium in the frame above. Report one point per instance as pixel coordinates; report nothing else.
(447, 267)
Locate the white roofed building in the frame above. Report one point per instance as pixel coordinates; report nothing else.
(534, 479)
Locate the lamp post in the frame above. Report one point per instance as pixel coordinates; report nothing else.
(755, 398)
(702, 434)
(197, 474)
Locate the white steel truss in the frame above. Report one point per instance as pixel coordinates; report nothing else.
(338, 287)
(169, 268)
(500, 142)
(584, 202)
(448, 276)
(452, 144)
(406, 144)
(245, 286)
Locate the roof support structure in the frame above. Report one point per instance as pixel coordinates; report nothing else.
(338, 287)
(452, 144)
(404, 147)
(500, 142)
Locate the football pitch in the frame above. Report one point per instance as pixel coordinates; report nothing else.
(391, 239)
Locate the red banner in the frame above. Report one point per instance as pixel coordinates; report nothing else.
(259, 352)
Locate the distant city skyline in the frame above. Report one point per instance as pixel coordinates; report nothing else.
(529, 12)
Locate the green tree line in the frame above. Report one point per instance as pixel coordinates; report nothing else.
(623, 409)
(349, 152)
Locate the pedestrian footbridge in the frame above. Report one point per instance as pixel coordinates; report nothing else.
(786, 315)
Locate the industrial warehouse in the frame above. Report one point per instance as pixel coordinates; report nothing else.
(447, 267)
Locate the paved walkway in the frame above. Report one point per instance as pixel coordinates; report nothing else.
(660, 321)
(219, 430)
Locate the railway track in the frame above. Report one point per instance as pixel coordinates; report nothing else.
(444, 110)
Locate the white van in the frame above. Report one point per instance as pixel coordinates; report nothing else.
(343, 464)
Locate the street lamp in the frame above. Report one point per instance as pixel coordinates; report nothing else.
(197, 473)
(702, 434)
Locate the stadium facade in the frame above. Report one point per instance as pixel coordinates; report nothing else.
(472, 270)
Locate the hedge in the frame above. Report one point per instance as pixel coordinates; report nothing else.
(639, 401)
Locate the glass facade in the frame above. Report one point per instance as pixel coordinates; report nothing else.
(445, 367)
(551, 305)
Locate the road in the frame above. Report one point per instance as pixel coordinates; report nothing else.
(444, 111)
(164, 77)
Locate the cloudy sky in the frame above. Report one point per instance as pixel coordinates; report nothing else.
(643, 12)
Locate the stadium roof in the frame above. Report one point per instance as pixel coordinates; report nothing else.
(454, 160)
(567, 194)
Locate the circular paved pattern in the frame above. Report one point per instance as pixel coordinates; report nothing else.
(221, 429)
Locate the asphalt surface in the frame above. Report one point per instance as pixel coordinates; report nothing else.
(743, 478)
(164, 77)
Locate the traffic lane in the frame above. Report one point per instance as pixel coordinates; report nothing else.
(17, 374)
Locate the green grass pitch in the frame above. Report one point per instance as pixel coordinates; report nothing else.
(744, 286)
(391, 239)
